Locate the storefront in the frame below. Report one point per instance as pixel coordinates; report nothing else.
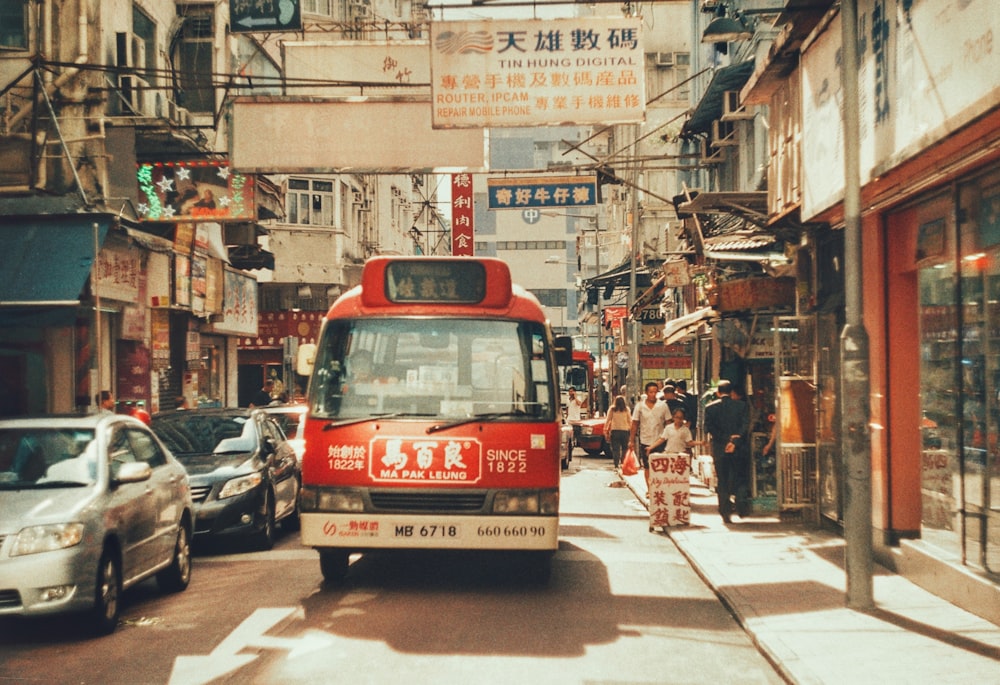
(947, 271)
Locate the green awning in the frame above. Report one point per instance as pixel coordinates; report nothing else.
(46, 261)
(709, 108)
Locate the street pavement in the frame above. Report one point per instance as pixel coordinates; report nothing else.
(785, 583)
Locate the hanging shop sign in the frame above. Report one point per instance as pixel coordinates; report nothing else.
(194, 191)
(239, 310)
(542, 191)
(273, 327)
(117, 270)
(755, 293)
(505, 73)
(462, 214)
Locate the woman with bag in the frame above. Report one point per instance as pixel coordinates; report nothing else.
(617, 427)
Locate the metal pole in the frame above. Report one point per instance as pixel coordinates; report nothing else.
(855, 391)
(634, 386)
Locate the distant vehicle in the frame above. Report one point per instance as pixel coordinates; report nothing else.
(589, 435)
(245, 476)
(292, 419)
(579, 375)
(89, 506)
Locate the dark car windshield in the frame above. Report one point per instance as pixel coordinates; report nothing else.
(190, 433)
(40, 456)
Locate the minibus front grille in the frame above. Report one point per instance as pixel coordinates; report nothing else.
(401, 500)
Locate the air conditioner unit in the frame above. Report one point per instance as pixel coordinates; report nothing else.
(664, 59)
(724, 133)
(710, 154)
(732, 110)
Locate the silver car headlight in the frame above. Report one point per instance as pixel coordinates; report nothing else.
(47, 538)
(238, 486)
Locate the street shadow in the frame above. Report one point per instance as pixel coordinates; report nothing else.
(431, 596)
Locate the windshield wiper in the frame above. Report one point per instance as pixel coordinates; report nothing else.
(374, 417)
(477, 417)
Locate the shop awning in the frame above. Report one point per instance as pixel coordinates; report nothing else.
(47, 260)
(709, 108)
(677, 329)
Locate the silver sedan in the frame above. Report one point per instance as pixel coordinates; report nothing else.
(89, 506)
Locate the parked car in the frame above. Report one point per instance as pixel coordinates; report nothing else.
(89, 506)
(292, 419)
(245, 476)
(589, 434)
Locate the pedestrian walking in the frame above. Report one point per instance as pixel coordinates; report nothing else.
(727, 422)
(617, 427)
(648, 420)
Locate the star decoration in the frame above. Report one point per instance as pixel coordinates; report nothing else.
(183, 173)
(143, 209)
(223, 172)
(169, 211)
(225, 201)
(166, 185)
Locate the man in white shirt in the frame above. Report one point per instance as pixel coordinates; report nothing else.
(648, 421)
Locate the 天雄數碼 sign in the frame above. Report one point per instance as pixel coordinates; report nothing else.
(505, 73)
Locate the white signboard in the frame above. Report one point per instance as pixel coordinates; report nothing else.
(356, 67)
(925, 69)
(313, 135)
(506, 73)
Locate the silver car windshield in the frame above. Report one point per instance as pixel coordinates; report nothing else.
(46, 457)
(436, 368)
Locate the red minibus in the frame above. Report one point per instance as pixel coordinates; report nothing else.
(434, 417)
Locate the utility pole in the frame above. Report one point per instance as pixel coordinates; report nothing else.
(634, 386)
(855, 391)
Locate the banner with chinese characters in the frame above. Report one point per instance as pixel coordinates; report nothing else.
(194, 191)
(462, 214)
(542, 191)
(669, 490)
(504, 73)
(239, 309)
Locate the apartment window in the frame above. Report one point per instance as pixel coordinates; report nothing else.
(194, 67)
(321, 7)
(144, 45)
(310, 202)
(13, 24)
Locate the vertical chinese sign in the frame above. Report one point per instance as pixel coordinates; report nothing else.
(461, 215)
(503, 73)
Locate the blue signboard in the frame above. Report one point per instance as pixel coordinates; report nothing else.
(542, 191)
(248, 16)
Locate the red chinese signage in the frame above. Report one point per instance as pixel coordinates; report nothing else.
(462, 213)
(427, 460)
(274, 327)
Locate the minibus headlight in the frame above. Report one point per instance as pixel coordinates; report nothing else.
(339, 500)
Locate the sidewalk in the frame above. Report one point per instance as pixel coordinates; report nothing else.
(786, 585)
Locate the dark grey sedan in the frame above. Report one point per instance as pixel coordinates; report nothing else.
(245, 476)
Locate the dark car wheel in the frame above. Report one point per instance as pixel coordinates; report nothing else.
(265, 523)
(334, 564)
(177, 576)
(107, 594)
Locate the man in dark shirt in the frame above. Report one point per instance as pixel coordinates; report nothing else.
(727, 421)
(262, 397)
